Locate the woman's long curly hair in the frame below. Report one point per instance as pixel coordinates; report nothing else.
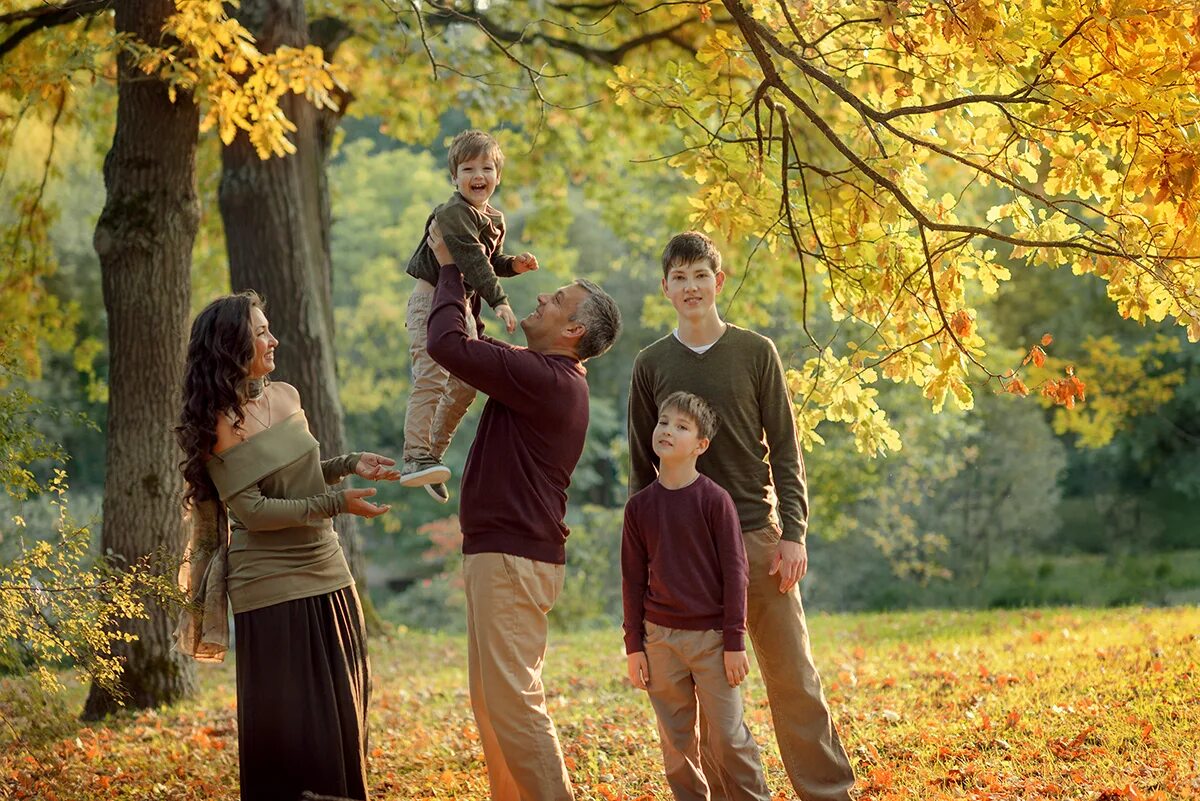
(219, 355)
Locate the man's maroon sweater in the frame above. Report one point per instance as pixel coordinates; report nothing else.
(683, 563)
(530, 437)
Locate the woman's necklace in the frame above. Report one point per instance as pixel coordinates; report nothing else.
(255, 388)
(246, 408)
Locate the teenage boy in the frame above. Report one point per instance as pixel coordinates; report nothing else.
(757, 461)
(514, 499)
(683, 570)
(473, 231)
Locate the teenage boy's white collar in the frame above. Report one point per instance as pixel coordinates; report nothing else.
(696, 348)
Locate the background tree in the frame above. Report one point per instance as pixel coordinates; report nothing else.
(144, 241)
(276, 216)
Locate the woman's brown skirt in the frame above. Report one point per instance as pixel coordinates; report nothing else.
(302, 687)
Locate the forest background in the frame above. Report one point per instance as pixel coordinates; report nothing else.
(978, 309)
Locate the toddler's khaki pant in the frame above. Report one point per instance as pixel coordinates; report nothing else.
(437, 401)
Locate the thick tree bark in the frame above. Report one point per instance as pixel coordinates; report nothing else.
(144, 241)
(277, 219)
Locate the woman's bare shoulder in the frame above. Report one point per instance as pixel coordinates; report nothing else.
(286, 396)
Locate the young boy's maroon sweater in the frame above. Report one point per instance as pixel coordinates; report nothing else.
(683, 563)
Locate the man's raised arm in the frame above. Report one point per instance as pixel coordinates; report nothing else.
(512, 376)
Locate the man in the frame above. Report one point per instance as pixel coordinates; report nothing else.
(514, 499)
(757, 461)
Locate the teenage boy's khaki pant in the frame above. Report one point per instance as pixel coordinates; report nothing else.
(508, 598)
(438, 401)
(686, 667)
(809, 746)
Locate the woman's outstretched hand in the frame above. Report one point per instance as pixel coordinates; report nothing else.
(356, 505)
(374, 467)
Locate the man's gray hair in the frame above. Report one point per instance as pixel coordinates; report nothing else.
(601, 320)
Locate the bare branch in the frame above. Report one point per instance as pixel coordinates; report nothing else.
(1019, 96)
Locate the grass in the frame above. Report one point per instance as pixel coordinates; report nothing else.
(1034, 704)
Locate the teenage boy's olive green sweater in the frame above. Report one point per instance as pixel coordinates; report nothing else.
(754, 455)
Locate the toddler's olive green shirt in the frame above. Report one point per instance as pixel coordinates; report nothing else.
(754, 455)
(282, 543)
(475, 239)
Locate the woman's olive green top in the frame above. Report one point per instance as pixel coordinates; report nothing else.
(282, 544)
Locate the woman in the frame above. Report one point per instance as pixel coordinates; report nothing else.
(302, 673)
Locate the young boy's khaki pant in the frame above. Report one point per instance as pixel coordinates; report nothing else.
(809, 745)
(508, 598)
(438, 401)
(686, 667)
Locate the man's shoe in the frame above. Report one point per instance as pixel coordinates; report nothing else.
(418, 474)
(438, 491)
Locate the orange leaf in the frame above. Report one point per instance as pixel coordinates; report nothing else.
(1016, 387)
(961, 323)
(881, 778)
(1164, 191)
(607, 793)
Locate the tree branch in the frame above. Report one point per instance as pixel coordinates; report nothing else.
(752, 32)
(611, 56)
(47, 16)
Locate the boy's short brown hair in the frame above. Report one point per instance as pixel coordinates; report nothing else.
(472, 144)
(695, 407)
(689, 248)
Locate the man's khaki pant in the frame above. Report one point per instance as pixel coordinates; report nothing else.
(809, 745)
(508, 598)
(687, 667)
(438, 401)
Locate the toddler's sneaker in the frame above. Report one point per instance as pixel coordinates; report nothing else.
(438, 491)
(419, 474)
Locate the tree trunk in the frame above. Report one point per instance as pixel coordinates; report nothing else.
(277, 220)
(144, 241)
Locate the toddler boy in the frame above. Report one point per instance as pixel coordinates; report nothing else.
(473, 230)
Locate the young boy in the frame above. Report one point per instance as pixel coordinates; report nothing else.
(684, 584)
(474, 232)
(757, 461)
